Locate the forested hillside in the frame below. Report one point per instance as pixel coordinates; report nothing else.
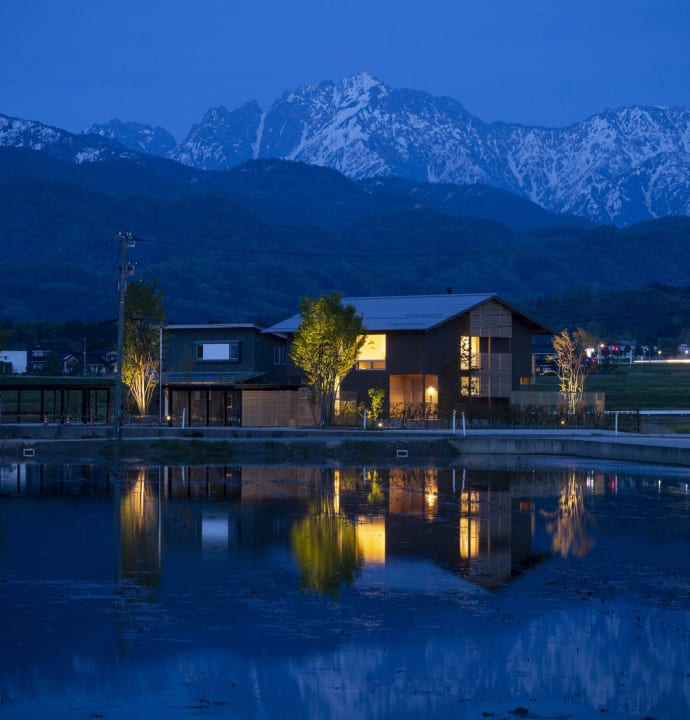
(231, 247)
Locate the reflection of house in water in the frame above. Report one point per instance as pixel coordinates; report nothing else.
(277, 483)
(371, 539)
(478, 524)
(486, 526)
(481, 534)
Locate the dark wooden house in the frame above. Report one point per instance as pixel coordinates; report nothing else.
(210, 369)
(435, 353)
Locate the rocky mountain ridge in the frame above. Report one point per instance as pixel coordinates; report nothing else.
(619, 166)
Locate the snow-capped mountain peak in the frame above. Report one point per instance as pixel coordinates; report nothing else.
(63, 145)
(621, 165)
(136, 136)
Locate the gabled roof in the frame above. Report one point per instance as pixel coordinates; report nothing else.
(410, 312)
(213, 326)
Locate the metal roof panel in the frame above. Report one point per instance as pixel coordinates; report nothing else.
(401, 312)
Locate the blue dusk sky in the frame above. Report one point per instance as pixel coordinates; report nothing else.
(536, 62)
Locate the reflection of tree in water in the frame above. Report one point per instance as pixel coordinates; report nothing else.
(569, 524)
(375, 490)
(140, 558)
(139, 526)
(325, 544)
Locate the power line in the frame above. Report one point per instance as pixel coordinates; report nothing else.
(298, 253)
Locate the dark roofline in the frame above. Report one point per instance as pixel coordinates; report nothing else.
(536, 327)
(543, 329)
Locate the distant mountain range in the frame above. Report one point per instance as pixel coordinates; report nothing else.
(620, 166)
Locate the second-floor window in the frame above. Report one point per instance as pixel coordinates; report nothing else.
(469, 386)
(218, 352)
(469, 352)
(372, 356)
(279, 355)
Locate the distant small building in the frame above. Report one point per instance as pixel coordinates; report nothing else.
(13, 362)
(39, 355)
(101, 363)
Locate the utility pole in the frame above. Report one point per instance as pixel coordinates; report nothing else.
(126, 241)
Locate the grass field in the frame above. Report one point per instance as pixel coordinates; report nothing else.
(641, 386)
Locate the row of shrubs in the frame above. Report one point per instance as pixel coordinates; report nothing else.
(509, 416)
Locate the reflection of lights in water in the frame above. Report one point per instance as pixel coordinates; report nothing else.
(469, 502)
(431, 494)
(569, 523)
(139, 505)
(325, 546)
(469, 526)
(336, 491)
(371, 540)
(140, 530)
(469, 538)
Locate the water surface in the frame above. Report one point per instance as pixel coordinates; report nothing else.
(557, 590)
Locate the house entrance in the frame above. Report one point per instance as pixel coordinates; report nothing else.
(413, 396)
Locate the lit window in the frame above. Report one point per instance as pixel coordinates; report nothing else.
(469, 386)
(469, 353)
(372, 356)
(218, 352)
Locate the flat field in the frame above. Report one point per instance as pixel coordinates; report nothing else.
(657, 385)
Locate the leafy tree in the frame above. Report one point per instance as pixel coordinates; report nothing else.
(326, 346)
(570, 359)
(144, 314)
(376, 397)
(52, 366)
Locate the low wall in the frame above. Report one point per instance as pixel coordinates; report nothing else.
(620, 448)
(157, 444)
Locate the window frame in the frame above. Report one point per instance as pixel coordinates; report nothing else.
(234, 351)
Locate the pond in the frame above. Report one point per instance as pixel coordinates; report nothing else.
(550, 589)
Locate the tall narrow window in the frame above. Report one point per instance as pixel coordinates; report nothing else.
(469, 386)
(469, 352)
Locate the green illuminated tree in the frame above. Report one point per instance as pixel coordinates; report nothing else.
(326, 346)
(144, 315)
(376, 398)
